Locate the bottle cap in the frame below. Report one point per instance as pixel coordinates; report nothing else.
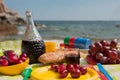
(66, 40)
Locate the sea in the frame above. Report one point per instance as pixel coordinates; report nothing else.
(88, 29)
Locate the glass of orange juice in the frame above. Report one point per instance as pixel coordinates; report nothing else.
(50, 46)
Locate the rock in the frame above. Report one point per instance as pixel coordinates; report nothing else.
(6, 29)
(9, 19)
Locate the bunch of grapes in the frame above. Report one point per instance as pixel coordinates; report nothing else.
(74, 69)
(11, 58)
(105, 52)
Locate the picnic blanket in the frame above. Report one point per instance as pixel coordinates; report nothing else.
(113, 70)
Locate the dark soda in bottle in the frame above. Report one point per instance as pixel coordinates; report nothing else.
(32, 43)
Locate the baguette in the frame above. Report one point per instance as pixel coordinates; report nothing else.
(56, 56)
(52, 57)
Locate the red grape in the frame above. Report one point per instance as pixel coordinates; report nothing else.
(105, 49)
(63, 74)
(113, 55)
(61, 68)
(76, 66)
(104, 59)
(99, 56)
(9, 52)
(23, 55)
(69, 67)
(113, 43)
(83, 70)
(111, 61)
(118, 54)
(19, 61)
(23, 58)
(98, 45)
(76, 73)
(108, 52)
(52, 67)
(108, 43)
(90, 59)
(13, 59)
(103, 42)
(118, 60)
(93, 48)
(4, 62)
(3, 57)
(56, 68)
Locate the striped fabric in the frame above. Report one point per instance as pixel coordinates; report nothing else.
(113, 70)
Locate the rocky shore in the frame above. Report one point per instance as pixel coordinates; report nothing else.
(9, 19)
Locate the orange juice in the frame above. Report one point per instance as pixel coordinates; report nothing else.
(50, 46)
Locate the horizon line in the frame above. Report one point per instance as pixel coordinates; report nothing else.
(75, 20)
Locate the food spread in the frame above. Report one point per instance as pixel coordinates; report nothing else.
(58, 67)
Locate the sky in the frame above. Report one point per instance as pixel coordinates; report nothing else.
(68, 9)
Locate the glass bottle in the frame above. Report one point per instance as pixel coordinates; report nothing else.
(32, 43)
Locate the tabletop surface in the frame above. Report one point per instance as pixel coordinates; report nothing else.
(113, 70)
